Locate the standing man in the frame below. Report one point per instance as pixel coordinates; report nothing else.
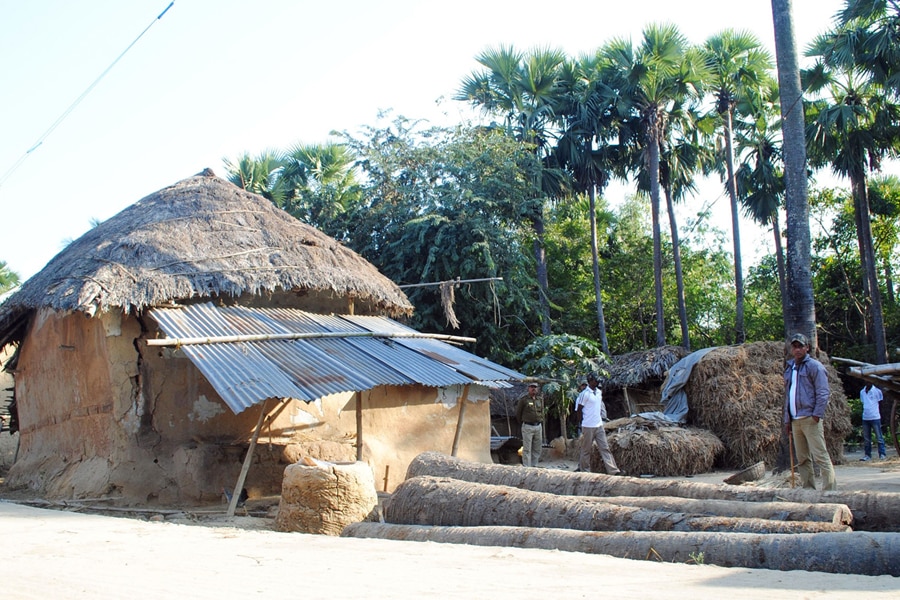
(590, 403)
(530, 414)
(871, 418)
(806, 396)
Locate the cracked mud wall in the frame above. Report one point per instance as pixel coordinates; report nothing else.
(100, 419)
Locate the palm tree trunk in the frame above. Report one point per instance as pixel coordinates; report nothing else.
(595, 256)
(444, 501)
(855, 553)
(679, 276)
(779, 262)
(867, 262)
(739, 334)
(872, 511)
(801, 305)
(540, 259)
(653, 150)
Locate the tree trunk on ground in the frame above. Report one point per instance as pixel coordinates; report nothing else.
(872, 511)
(838, 514)
(446, 501)
(856, 553)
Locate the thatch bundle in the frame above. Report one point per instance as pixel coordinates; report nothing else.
(737, 392)
(644, 446)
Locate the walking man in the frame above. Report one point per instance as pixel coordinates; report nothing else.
(530, 414)
(590, 403)
(806, 396)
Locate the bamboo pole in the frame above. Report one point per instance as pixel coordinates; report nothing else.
(459, 421)
(266, 337)
(236, 493)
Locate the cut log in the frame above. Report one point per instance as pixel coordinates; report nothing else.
(444, 501)
(872, 511)
(838, 514)
(860, 553)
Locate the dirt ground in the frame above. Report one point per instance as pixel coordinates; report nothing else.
(67, 554)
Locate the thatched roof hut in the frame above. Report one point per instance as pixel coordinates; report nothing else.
(198, 239)
(140, 347)
(634, 381)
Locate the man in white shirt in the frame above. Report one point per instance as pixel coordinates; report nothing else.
(590, 403)
(871, 420)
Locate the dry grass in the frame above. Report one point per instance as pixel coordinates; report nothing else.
(646, 447)
(737, 392)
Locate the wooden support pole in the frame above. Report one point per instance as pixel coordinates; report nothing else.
(359, 427)
(239, 486)
(459, 421)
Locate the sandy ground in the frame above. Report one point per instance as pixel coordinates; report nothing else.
(64, 554)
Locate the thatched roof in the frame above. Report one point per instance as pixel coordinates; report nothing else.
(199, 238)
(642, 367)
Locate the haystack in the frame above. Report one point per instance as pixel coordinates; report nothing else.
(737, 392)
(652, 447)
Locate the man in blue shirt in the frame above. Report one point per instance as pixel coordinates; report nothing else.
(871, 420)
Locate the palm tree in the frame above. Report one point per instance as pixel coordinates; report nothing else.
(521, 88)
(683, 154)
(739, 68)
(853, 128)
(260, 174)
(583, 108)
(874, 28)
(801, 307)
(651, 79)
(8, 279)
(760, 186)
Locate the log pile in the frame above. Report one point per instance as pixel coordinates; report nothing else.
(737, 392)
(450, 500)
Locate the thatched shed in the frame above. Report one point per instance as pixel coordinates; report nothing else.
(635, 380)
(140, 347)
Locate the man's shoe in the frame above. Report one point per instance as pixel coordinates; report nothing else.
(865, 458)
(882, 457)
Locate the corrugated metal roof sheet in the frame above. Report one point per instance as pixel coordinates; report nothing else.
(247, 372)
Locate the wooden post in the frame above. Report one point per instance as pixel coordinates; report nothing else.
(239, 486)
(459, 422)
(629, 405)
(387, 470)
(359, 427)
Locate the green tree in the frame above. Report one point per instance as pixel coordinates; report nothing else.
(447, 204)
(561, 360)
(521, 89)
(872, 28)
(739, 74)
(853, 128)
(652, 77)
(8, 279)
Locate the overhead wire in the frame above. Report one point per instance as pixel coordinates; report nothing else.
(78, 100)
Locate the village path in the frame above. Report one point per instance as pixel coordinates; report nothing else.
(58, 554)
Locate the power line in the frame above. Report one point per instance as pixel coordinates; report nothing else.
(78, 100)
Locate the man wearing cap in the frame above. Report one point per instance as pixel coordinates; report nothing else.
(530, 414)
(806, 396)
(593, 411)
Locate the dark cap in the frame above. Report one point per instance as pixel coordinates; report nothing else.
(532, 384)
(592, 377)
(800, 338)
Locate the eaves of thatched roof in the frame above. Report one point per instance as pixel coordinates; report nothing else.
(199, 238)
(636, 368)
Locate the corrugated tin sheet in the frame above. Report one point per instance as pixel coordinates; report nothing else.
(247, 372)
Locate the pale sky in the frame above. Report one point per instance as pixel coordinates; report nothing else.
(215, 78)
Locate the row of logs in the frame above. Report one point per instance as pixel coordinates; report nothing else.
(450, 500)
